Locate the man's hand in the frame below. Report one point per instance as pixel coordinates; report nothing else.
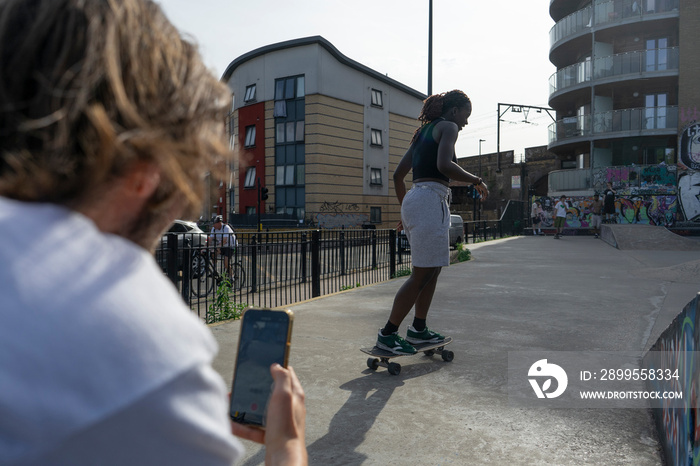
(285, 425)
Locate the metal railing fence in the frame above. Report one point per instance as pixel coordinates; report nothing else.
(512, 222)
(275, 269)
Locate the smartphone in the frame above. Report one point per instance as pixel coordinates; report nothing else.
(264, 340)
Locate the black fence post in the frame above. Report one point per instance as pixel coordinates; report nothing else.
(392, 253)
(171, 265)
(303, 257)
(342, 253)
(315, 263)
(253, 265)
(374, 249)
(186, 269)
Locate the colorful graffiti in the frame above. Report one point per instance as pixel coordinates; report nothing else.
(689, 178)
(679, 427)
(689, 147)
(643, 210)
(688, 114)
(689, 195)
(636, 180)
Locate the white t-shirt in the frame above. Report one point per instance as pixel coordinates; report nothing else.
(223, 236)
(100, 360)
(561, 209)
(536, 210)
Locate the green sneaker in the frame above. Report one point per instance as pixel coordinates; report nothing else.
(394, 343)
(426, 336)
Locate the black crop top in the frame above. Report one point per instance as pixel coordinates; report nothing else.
(425, 150)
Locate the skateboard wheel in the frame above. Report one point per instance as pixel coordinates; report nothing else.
(394, 368)
(448, 356)
(429, 352)
(373, 363)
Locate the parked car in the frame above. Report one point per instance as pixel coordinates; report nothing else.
(186, 232)
(456, 229)
(402, 242)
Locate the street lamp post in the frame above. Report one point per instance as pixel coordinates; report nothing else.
(479, 200)
(430, 47)
(480, 141)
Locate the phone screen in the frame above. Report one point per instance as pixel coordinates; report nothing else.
(264, 340)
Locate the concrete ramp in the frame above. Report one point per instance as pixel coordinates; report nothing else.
(646, 237)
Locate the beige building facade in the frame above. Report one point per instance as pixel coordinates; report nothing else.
(321, 132)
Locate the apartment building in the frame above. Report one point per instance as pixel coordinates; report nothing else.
(626, 92)
(322, 132)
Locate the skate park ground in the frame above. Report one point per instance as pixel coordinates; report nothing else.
(517, 294)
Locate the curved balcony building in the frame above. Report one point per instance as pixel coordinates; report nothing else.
(616, 90)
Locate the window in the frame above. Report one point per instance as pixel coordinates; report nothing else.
(289, 114)
(657, 54)
(249, 177)
(376, 137)
(655, 111)
(377, 100)
(249, 136)
(289, 88)
(375, 176)
(375, 214)
(249, 93)
(251, 210)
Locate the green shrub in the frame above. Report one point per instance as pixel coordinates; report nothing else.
(223, 307)
(464, 254)
(402, 272)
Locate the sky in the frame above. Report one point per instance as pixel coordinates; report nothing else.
(494, 50)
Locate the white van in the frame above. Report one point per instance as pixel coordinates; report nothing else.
(456, 230)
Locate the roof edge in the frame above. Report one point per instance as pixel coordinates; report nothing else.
(331, 49)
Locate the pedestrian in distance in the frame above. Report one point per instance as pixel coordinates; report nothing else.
(560, 209)
(110, 122)
(536, 216)
(425, 214)
(596, 217)
(223, 239)
(609, 203)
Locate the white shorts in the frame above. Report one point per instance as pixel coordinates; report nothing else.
(425, 214)
(595, 221)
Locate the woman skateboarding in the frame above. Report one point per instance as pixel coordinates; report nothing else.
(425, 214)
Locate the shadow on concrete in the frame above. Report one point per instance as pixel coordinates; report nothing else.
(369, 396)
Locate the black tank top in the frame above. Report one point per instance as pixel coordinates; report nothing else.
(425, 150)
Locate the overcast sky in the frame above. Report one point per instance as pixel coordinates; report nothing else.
(494, 50)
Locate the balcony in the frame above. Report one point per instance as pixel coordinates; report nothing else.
(608, 12)
(612, 11)
(616, 123)
(636, 180)
(619, 66)
(575, 23)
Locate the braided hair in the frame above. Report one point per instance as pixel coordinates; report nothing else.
(437, 104)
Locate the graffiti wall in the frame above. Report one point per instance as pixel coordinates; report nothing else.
(646, 195)
(679, 427)
(339, 215)
(689, 176)
(657, 210)
(636, 181)
(341, 220)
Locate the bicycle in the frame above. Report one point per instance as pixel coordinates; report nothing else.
(205, 277)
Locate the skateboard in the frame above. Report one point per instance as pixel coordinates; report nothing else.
(383, 357)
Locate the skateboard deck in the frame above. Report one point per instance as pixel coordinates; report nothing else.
(382, 357)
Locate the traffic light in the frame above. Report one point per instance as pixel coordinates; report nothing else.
(263, 193)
